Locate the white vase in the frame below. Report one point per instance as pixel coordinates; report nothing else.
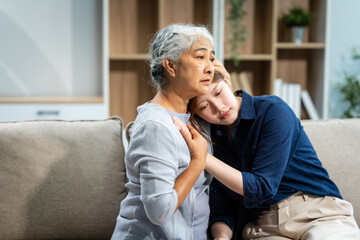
(297, 34)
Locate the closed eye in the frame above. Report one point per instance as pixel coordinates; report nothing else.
(218, 93)
(203, 107)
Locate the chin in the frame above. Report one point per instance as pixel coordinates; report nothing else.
(204, 90)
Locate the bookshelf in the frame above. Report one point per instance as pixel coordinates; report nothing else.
(269, 54)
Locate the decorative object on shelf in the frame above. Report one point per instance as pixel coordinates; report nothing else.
(297, 19)
(350, 88)
(238, 31)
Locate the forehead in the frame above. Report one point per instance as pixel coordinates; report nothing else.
(202, 44)
(205, 97)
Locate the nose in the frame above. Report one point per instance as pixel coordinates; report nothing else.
(209, 67)
(217, 106)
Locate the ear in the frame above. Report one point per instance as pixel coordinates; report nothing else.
(169, 66)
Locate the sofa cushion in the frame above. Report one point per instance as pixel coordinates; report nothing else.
(128, 130)
(60, 179)
(337, 143)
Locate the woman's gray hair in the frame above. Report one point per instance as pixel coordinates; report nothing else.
(171, 42)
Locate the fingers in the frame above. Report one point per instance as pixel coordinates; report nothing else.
(217, 63)
(182, 128)
(194, 133)
(219, 67)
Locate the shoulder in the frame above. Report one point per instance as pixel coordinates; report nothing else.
(155, 135)
(276, 114)
(268, 100)
(153, 119)
(272, 105)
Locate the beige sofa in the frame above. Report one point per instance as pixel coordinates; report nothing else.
(65, 179)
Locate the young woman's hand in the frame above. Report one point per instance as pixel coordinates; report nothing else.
(196, 143)
(221, 231)
(219, 67)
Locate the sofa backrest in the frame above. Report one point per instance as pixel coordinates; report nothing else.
(337, 143)
(61, 179)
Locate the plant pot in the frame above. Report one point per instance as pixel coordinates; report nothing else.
(297, 34)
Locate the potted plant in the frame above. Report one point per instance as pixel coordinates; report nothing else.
(350, 88)
(238, 31)
(297, 19)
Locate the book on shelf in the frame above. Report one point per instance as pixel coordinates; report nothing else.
(309, 105)
(234, 81)
(290, 93)
(241, 81)
(245, 83)
(277, 87)
(293, 95)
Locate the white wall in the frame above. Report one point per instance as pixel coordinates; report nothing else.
(342, 34)
(50, 47)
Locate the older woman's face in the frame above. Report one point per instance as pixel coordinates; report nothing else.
(195, 70)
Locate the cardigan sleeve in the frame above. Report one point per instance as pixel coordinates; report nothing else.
(155, 155)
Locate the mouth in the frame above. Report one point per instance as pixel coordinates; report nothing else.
(225, 115)
(205, 81)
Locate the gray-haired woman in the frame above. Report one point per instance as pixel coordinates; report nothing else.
(168, 189)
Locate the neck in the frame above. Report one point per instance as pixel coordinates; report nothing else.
(171, 101)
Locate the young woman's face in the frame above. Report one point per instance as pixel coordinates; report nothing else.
(195, 69)
(218, 106)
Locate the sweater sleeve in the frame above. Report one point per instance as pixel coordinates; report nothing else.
(155, 155)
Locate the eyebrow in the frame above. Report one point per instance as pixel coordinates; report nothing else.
(215, 87)
(211, 91)
(204, 49)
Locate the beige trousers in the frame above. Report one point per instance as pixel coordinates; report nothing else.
(305, 217)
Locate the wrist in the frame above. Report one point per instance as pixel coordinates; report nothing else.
(197, 164)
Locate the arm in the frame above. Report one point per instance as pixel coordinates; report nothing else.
(227, 175)
(155, 158)
(198, 150)
(273, 148)
(221, 231)
(223, 208)
(223, 212)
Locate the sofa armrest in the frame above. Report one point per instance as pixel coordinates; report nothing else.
(337, 143)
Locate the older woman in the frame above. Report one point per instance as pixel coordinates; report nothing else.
(168, 189)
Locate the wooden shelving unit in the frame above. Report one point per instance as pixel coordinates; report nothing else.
(266, 55)
(269, 53)
(300, 46)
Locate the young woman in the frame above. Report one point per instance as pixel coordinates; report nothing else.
(168, 189)
(269, 166)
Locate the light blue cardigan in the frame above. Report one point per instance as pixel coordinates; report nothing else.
(156, 156)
